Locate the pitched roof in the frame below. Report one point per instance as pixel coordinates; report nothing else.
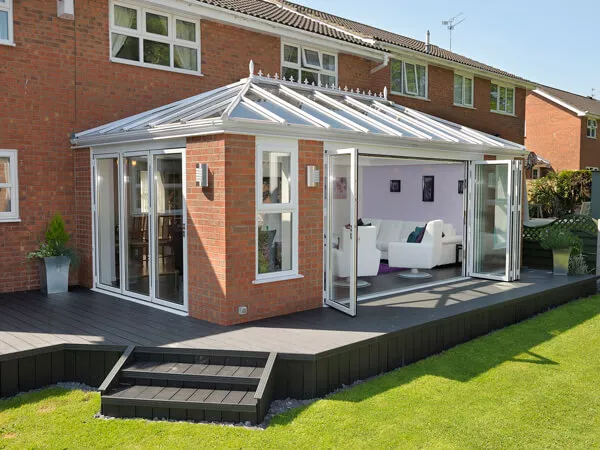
(319, 22)
(582, 105)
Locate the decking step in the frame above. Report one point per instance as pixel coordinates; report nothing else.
(207, 373)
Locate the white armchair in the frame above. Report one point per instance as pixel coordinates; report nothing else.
(422, 255)
(369, 256)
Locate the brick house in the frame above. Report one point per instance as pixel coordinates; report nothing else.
(74, 67)
(563, 128)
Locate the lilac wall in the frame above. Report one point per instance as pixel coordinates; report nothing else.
(377, 202)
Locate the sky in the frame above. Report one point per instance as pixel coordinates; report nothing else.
(550, 42)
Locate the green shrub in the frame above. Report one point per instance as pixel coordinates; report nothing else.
(555, 238)
(559, 193)
(56, 242)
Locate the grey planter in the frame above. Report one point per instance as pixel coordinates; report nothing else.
(54, 274)
(560, 258)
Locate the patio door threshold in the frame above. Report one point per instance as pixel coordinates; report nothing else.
(382, 294)
(177, 312)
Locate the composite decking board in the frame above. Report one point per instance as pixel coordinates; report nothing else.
(217, 396)
(234, 397)
(183, 394)
(248, 399)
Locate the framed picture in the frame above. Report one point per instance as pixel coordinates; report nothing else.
(461, 186)
(428, 188)
(340, 189)
(395, 186)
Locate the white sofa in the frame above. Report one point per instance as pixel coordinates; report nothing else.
(418, 255)
(369, 256)
(398, 231)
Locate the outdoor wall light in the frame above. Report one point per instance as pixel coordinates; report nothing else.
(202, 175)
(313, 176)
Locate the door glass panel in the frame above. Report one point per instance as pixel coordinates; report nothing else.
(168, 222)
(492, 221)
(137, 212)
(107, 205)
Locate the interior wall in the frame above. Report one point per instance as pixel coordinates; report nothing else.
(377, 202)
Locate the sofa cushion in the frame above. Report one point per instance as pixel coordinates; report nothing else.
(448, 230)
(389, 231)
(417, 235)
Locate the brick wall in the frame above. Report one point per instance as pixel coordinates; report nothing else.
(553, 132)
(590, 148)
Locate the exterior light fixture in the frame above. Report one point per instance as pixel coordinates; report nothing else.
(313, 176)
(202, 175)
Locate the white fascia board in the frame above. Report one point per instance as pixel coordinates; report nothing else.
(560, 102)
(218, 14)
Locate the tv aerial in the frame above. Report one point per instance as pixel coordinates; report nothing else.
(452, 23)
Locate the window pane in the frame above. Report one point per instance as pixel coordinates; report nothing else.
(502, 99)
(185, 57)
(311, 58)
(396, 71)
(289, 72)
(3, 26)
(311, 77)
(157, 53)
(422, 80)
(494, 98)
(468, 91)
(290, 54)
(4, 170)
(186, 30)
(126, 47)
(510, 100)
(157, 24)
(328, 62)
(5, 205)
(458, 89)
(411, 79)
(275, 232)
(125, 17)
(327, 80)
(276, 168)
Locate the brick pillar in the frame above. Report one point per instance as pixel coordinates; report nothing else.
(83, 218)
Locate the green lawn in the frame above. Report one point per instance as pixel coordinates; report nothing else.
(532, 385)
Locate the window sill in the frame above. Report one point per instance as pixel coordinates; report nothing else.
(590, 137)
(464, 106)
(275, 279)
(8, 43)
(425, 99)
(156, 67)
(503, 113)
(10, 220)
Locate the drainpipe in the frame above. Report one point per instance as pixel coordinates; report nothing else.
(386, 61)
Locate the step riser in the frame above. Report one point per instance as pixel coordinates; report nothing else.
(201, 359)
(125, 380)
(192, 415)
(171, 377)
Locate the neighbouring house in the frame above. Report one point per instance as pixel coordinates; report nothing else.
(197, 181)
(562, 129)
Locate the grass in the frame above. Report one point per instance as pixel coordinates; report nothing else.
(532, 385)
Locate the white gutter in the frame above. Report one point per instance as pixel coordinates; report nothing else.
(560, 102)
(386, 61)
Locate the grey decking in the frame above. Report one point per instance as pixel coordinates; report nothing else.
(31, 320)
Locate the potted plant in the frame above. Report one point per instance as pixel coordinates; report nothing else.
(54, 258)
(562, 243)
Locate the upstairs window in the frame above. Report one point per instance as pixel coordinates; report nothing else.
(463, 90)
(408, 78)
(153, 38)
(6, 22)
(308, 64)
(502, 99)
(9, 186)
(592, 128)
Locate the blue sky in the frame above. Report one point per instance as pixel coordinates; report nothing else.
(547, 41)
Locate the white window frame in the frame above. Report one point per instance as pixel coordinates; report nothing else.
(301, 65)
(592, 128)
(281, 146)
(141, 34)
(507, 87)
(405, 90)
(13, 161)
(8, 7)
(464, 77)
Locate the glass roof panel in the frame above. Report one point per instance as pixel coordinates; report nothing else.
(242, 111)
(405, 132)
(277, 109)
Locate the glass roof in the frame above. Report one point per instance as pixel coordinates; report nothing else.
(268, 101)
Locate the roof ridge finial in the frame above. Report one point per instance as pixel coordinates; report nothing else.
(251, 67)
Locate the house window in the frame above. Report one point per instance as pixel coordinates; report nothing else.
(463, 90)
(408, 78)
(536, 173)
(592, 128)
(6, 21)
(276, 212)
(9, 186)
(502, 99)
(308, 64)
(153, 38)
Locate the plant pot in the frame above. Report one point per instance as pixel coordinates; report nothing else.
(560, 257)
(54, 274)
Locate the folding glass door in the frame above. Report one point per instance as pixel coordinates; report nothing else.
(342, 198)
(139, 215)
(494, 225)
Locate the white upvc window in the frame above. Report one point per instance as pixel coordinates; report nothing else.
(592, 128)
(9, 186)
(153, 38)
(502, 99)
(408, 78)
(6, 22)
(308, 64)
(276, 210)
(463, 89)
